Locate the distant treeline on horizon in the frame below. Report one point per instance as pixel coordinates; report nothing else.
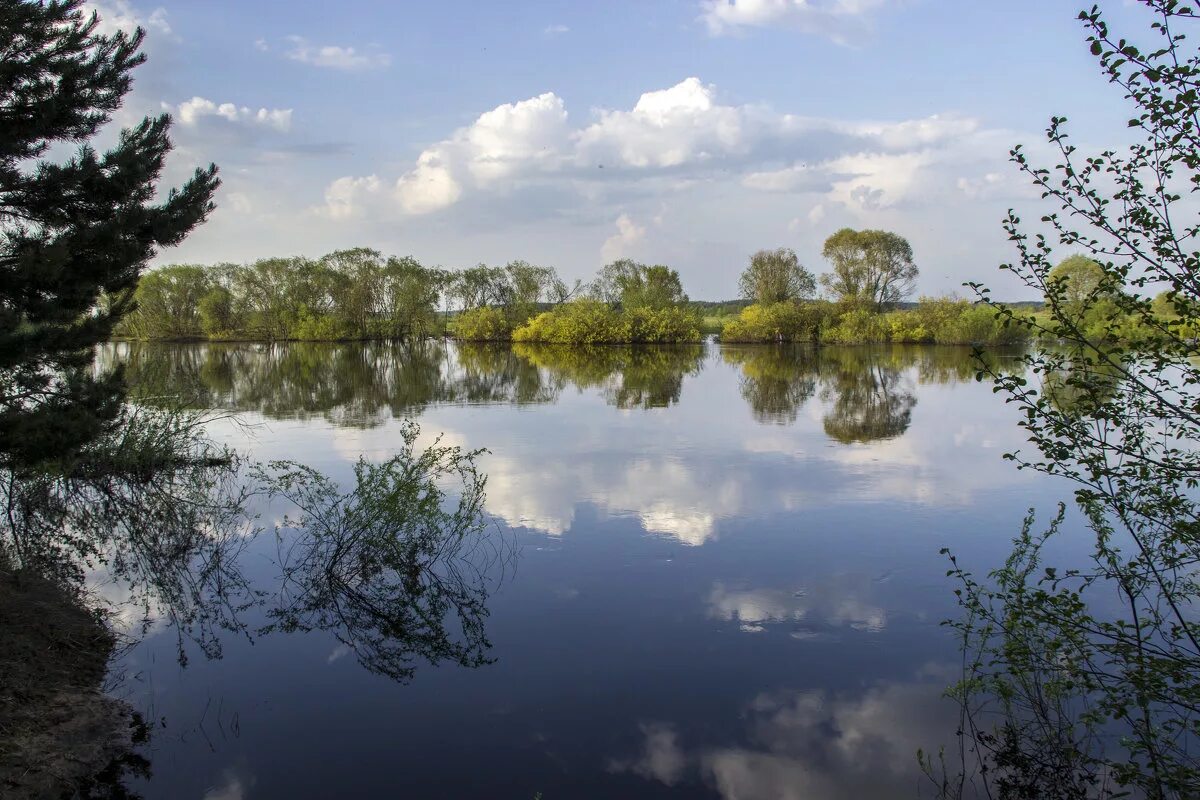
(360, 294)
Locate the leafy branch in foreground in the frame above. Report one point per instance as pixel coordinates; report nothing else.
(1084, 680)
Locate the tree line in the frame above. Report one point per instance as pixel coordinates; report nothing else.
(361, 294)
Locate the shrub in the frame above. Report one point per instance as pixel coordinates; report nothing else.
(577, 322)
(776, 322)
(671, 324)
(859, 326)
(484, 324)
(318, 327)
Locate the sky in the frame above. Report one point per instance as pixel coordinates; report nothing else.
(684, 132)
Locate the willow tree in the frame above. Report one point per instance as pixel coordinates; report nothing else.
(869, 268)
(74, 230)
(776, 276)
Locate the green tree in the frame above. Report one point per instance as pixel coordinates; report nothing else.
(72, 230)
(1062, 658)
(869, 268)
(631, 284)
(410, 295)
(776, 276)
(168, 303)
(1077, 279)
(356, 286)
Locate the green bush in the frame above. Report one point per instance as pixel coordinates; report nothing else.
(486, 324)
(318, 327)
(777, 322)
(671, 324)
(595, 322)
(859, 326)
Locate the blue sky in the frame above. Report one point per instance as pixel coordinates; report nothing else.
(685, 132)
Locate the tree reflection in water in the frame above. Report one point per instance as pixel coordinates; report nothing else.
(362, 385)
(642, 376)
(398, 569)
(385, 565)
(776, 380)
(869, 401)
(863, 387)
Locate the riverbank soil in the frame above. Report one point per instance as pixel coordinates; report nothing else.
(60, 735)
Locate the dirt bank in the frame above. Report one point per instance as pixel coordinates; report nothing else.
(60, 735)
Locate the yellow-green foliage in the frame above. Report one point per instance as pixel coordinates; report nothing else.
(662, 325)
(776, 322)
(595, 322)
(940, 320)
(484, 324)
(319, 328)
(858, 326)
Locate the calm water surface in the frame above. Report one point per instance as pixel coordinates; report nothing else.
(724, 581)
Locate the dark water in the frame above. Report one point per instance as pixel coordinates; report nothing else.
(725, 578)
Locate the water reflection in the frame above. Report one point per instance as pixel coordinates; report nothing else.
(628, 377)
(806, 743)
(387, 566)
(869, 400)
(398, 568)
(805, 612)
(776, 381)
(729, 569)
(363, 385)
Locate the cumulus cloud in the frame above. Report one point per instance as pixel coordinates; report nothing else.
(628, 235)
(529, 135)
(677, 136)
(428, 187)
(343, 197)
(666, 128)
(336, 57)
(192, 113)
(840, 20)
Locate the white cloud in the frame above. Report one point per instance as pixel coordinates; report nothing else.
(680, 135)
(512, 138)
(261, 45)
(429, 187)
(239, 202)
(528, 134)
(666, 128)
(343, 197)
(190, 113)
(628, 235)
(555, 30)
(840, 20)
(336, 57)
(877, 180)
